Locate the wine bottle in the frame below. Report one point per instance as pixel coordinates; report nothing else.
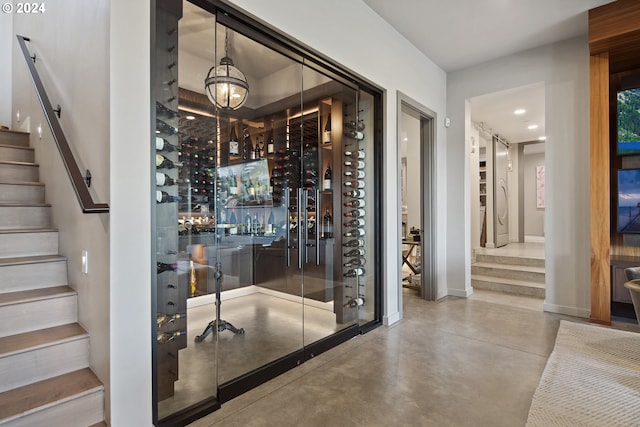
(355, 262)
(355, 134)
(162, 109)
(356, 243)
(354, 302)
(164, 197)
(356, 222)
(355, 252)
(354, 272)
(234, 149)
(271, 227)
(162, 179)
(326, 183)
(359, 164)
(326, 134)
(352, 124)
(359, 174)
(357, 184)
(358, 203)
(165, 337)
(163, 145)
(163, 319)
(356, 232)
(355, 213)
(327, 229)
(163, 266)
(165, 127)
(355, 154)
(163, 162)
(247, 146)
(355, 194)
(270, 145)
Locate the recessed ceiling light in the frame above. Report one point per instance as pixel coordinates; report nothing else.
(519, 111)
(532, 127)
(542, 138)
(190, 117)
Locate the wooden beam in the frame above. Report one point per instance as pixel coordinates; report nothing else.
(600, 189)
(614, 25)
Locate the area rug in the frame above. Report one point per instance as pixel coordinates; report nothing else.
(592, 378)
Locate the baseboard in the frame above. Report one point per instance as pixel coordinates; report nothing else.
(465, 293)
(569, 311)
(253, 289)
(391, 319)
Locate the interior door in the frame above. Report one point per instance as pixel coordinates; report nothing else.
(500, 192)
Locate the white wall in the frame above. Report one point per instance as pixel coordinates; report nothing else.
(71, 42)
(129, 99)
(7, 40)
(533, 216)
(564, 69)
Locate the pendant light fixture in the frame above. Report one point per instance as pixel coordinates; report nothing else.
(225, 85)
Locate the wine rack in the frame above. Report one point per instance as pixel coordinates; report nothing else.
(354, 218)
(172, 269)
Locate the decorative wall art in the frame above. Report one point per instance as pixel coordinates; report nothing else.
(540, 187)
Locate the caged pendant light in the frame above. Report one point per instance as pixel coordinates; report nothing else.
(225, 85)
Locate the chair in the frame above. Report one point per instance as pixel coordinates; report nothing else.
(634, 290)
(633, 284)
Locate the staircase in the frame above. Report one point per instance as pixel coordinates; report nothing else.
(44, 353)
(517, 275)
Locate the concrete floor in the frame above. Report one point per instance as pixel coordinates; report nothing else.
(456, 362)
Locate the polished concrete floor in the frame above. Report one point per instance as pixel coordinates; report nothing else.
(456, 362)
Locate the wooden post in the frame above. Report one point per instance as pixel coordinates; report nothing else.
(600, 189)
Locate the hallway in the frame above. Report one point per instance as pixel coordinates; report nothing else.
(455, 362)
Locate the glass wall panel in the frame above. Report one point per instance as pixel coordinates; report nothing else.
(265, 216)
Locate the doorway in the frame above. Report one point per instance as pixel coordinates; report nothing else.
(416, 145)
(506, 137)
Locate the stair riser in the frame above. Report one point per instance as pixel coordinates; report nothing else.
(528, 276)
(508, 288)
(19, 173)
(14, 138)
(21, 217)
(510, 260)
(20, 193)
(43, 363)
(24, 277)
(17, 154)
(40, 314)
(28, 244)
(83, 411)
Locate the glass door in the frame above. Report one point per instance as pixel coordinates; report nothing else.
(258, 209)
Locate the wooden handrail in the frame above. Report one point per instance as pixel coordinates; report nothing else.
(77, 180)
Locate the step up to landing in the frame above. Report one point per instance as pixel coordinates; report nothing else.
(509, 271)
(74, 399)
(510, 286)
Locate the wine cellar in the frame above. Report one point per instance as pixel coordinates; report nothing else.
(265, 217)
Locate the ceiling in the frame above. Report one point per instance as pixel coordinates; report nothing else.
(457, 34)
